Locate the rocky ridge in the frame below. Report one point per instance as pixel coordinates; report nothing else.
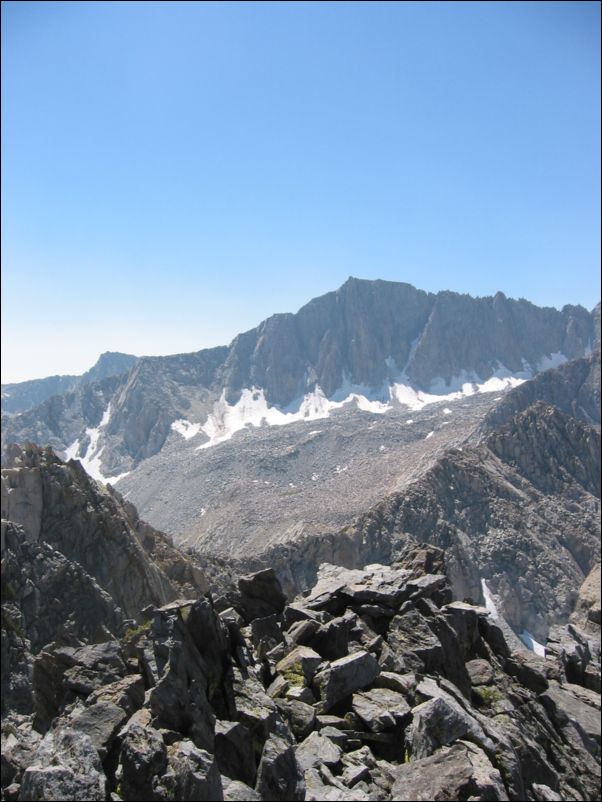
(22, 396)
(90, 530)
(374, 686)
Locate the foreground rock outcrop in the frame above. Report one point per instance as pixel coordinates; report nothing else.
(373, 686)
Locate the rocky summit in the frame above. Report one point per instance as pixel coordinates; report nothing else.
(366, 564)
(375, 685)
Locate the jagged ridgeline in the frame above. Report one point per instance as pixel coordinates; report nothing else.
(371, 569)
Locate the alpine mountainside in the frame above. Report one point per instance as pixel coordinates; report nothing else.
(128, 672)
(369, 342)
(21, 396)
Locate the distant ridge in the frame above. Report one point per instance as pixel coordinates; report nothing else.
(21, 396)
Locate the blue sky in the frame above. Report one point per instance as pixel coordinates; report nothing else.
(174, 173)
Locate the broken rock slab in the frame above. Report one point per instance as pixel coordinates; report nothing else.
(345, 676)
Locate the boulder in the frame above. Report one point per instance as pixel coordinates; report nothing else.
(142, 759)
(462, 771)
(345, 676)
(301, 717)
(257, 711)
(568, 705)
(301, 632)
(480, 672)
(261, 595)
(402, 683)
(331, 640)
(381, 708)
(100, 722)
(127, 693)
(279, 776)
(235, 791)
(299, 665)
(266, 633)
(234, 752)
(316, 750)
(440, 722)
(66, 766)
(411, 637)
(192, 774)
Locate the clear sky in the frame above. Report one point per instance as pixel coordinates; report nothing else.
(173, 173)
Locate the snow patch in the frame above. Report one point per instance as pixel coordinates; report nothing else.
(532, 644)
(91, 459)
(430, 434)
(553, 360)
(186, 428)
(71, 452)
(252, 409)
(112, 480)
(340, 469)
(489, 603)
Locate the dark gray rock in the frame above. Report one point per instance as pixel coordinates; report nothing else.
(301, 632)
(279, 775)
(576, 707)
(299, 665)
(100, 722)
(266, 634)
(480, 672)
(301, 717)
(331, 640)
(411, 637)
(192, 774)
(440, 722)
(234, 752)
(143, 760)
(261, 595)
(235, 791)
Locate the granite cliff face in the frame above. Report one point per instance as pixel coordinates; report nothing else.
(21, 396)
(358, 339)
